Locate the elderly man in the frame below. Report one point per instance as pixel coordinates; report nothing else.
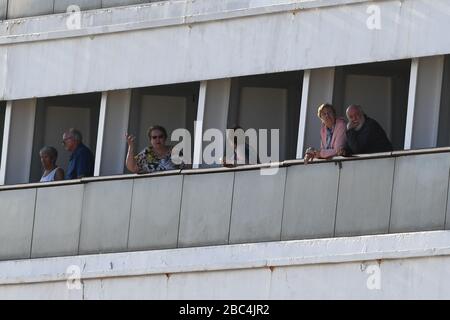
(364, 135)
(81, 162)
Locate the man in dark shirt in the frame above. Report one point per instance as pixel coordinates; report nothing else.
(81, 162)
(364, 135)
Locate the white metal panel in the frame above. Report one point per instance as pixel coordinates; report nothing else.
(155, 213)
(57, 221)
(18, 141)
(309, 208)
(364, 197)
(427, 102)
(206, 210)
(303, 114)
(419, 198)
(257, 207)
(113, 124)
(5, 142)
(106, 217)
(216, 106)
(17, 216)
(411, 103)
(198, 132)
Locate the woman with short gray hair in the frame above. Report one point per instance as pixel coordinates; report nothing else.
(52, 172)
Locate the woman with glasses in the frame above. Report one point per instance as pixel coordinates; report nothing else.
(332, 134)
(155, 157)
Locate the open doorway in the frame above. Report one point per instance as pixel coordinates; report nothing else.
(54, 115)
(269, 101)
(381, 89)
(171, 106)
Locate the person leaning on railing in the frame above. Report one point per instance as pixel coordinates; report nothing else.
(155, 157)
(332, 134)
(364, 134)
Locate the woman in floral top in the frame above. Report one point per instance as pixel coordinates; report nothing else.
(156, 157)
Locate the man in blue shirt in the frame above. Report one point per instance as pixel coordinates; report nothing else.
(81, 162)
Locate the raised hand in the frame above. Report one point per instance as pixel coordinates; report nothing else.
(341, 152)
(130, 140)
(310, 154)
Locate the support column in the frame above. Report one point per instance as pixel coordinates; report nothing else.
(17, 148)
(216, 106)
(198, 129)
(318, 86)
(212, 113)
(113, 124)
(424, 102)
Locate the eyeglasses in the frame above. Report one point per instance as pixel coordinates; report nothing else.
(326, 113)
(63, 142)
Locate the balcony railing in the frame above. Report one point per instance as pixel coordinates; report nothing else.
(376, 194)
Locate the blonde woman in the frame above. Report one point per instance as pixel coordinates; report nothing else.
(332, 134)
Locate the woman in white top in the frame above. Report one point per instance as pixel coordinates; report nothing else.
(51, 171)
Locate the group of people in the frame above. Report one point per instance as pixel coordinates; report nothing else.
(360, 134)
(81, 163)
(156, 157)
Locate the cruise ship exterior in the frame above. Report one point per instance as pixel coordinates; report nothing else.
(370, 226)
